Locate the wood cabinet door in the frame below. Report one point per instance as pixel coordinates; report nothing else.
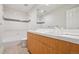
(74, 49)
(63, 47)
(55, 46)
(38, 48)
(44, 45)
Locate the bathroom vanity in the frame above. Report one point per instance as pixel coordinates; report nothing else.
(50, 44)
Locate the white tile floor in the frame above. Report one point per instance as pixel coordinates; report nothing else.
(14, 48)
(11, 40)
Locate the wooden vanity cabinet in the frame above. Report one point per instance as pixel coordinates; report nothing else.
(74, 49)
(38, 44)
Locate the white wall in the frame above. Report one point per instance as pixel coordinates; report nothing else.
(73, 18)
(57, 17)
(1, 13)
(14, 31)
(1, 22)
(14, 14)
(1, 18)
(33, 17)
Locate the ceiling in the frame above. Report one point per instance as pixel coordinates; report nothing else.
(27, 7)
(42, 9)
(20, 7)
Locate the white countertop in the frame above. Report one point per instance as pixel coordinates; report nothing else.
(65, 37)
